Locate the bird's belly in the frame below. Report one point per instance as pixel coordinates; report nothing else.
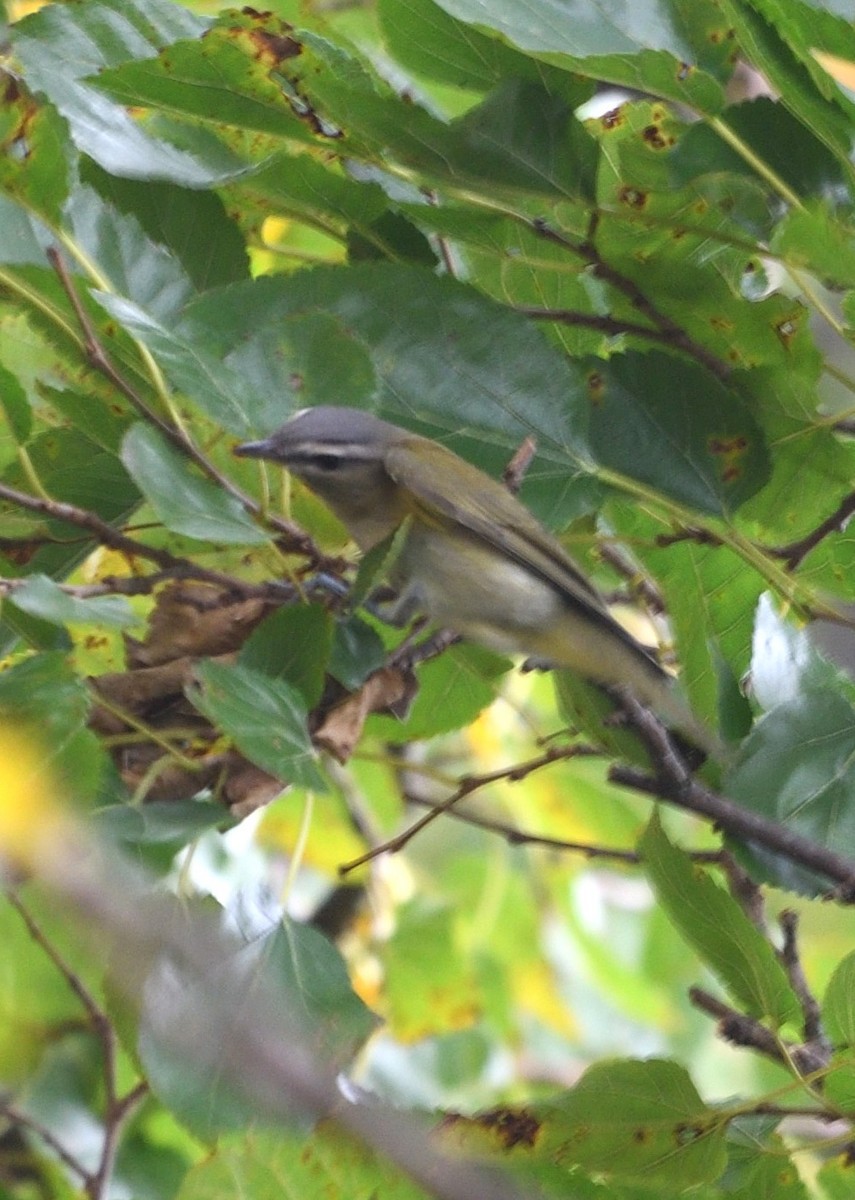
(475, 591)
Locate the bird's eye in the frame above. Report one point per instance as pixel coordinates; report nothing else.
(325, 462)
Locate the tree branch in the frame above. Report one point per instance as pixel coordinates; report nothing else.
(108, 535)
(674, 783)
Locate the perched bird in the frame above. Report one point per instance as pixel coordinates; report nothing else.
(473, 558)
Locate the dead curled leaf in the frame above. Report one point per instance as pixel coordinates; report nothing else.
(191, 621)
(391, 689)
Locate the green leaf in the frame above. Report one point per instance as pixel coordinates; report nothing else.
(635, 1120)
(430, 42)
(71, 467)
(357, 650)
(811, 239)
(33, 155)
(810, 465)
(714, 924)
(642, 45)
(293, 643)
(799, 81)
(219, 391)
(838, 1003)
(265, 717)
(61, 44)
(316, 356)
(45, 691)
(672, 425)
(797, 768)
(305, 967)
(135, 267)
(446, 358)
(192, 225)
(185, 502)
(15, 406)
(228, 75)
(41, 597)
(775, 136)
(325, 1163)
(522, 138)
(453, 690)
(292, 969)
(160, 822)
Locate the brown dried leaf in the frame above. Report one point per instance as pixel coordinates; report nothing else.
(195, 619)
(341, 728)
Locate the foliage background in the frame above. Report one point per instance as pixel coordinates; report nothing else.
(211, 218)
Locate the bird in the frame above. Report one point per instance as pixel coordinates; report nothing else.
(472, 557)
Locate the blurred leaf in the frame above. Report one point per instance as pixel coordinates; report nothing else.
(171, 822)
(310, 972)
(431, 985)
(265, 717)
(838, 1003)
(718, 929)
(332, 837)
(453, 689)
(292, 967)
(326, 1163)
(185, 501)
(33, 162)
(41, 597)
(45, 691)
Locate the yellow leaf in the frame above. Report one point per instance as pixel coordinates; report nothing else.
(840, 69)
(31, 820)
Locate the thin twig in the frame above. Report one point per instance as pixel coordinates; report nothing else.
(791, 961)
(794, 552)
(520, 837)
(119, 1112)
(17, 1117)
(108, 535)
(97, 357)
(669, 332)
(737, 1028)
(144, 585)
(466, 787)
(117, 1109)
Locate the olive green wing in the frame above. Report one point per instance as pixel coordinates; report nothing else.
(436, 478)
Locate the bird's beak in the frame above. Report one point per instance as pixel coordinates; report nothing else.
(262, 449)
